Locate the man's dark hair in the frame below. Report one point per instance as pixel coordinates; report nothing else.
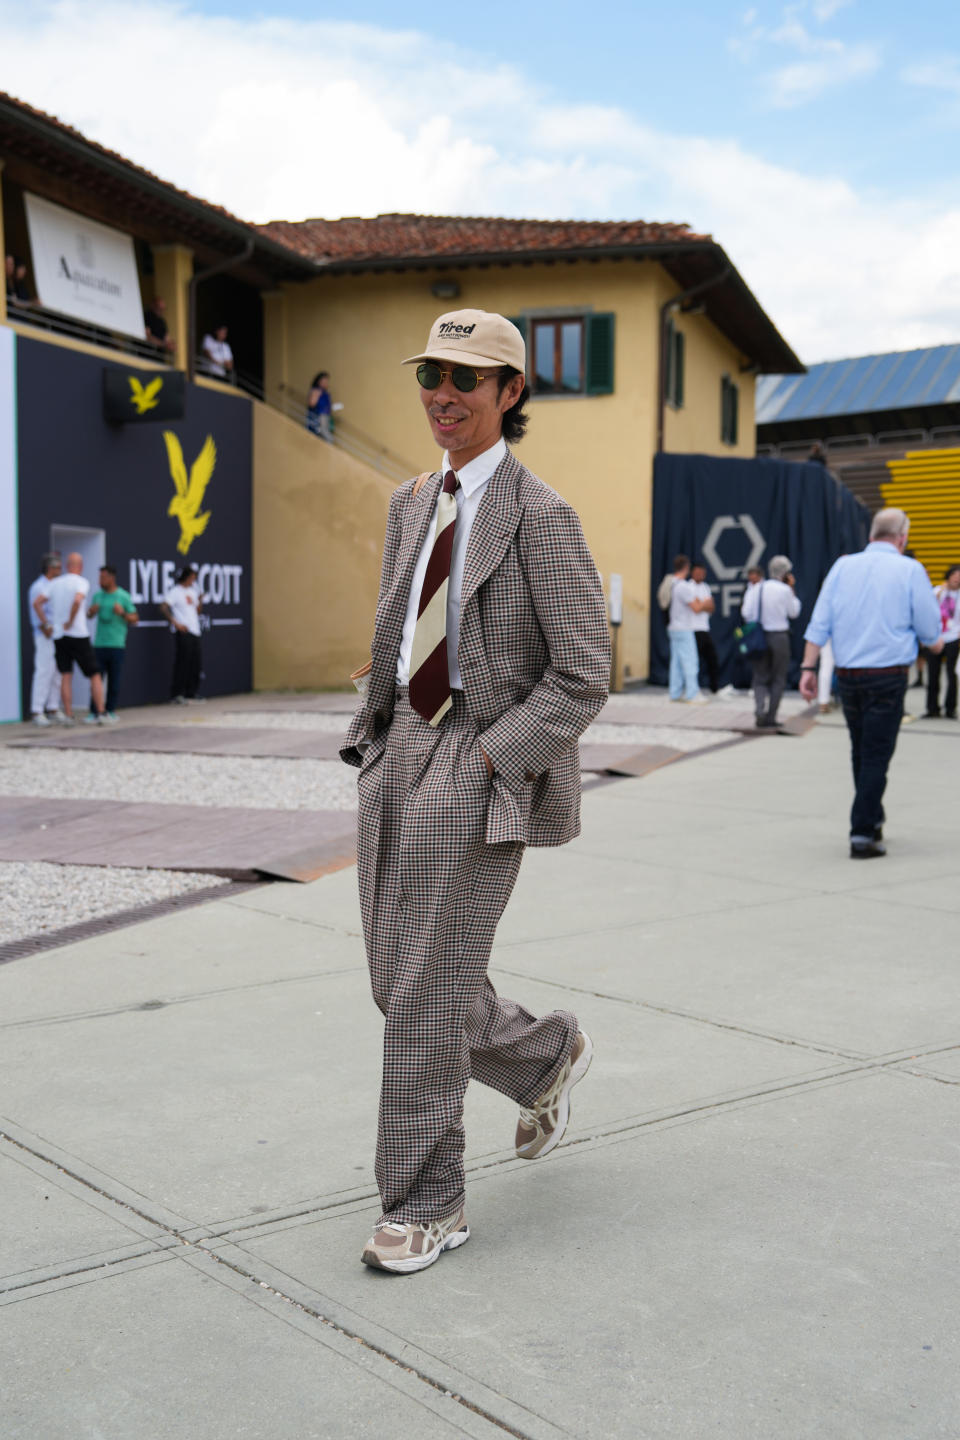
(515, 420)
(51, 558)
(679, 561)
(950, 571)
(110, 569)
(320, 375)
(698, 565)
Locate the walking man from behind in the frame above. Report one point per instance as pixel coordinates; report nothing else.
(45, 689)
(71, 637)
(874, 607)
(490, 656)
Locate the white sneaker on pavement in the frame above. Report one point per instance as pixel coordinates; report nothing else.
(40, 719)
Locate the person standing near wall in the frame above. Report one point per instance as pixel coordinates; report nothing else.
(320, 406)
(116, 613)
(685, 606)
(772, 604)
(874, 606)
(45, 687)
(181, 606)
(706, 650)
(948, 598)
(490, 656)
(71, 637)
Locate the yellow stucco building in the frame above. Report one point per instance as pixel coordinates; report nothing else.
(639, 337)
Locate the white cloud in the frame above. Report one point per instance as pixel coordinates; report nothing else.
(276, 119)
(827, 63)
(940, 74)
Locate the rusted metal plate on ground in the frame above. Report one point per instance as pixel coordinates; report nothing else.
(237, 842)
(626, 759)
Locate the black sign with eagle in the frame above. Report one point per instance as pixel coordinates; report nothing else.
(134, 396)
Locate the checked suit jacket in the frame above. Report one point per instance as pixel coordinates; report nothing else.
(534, 646)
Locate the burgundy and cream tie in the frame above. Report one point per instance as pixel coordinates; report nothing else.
(429, 669)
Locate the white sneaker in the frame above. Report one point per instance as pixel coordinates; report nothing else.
(90, 719)
(699, 700)
(541, 1126)
(62, 718)
(109, 718)
(40, 719)
(67, 720)
(403, 1248)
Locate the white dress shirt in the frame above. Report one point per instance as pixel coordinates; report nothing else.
(473, 478)
(780, 604)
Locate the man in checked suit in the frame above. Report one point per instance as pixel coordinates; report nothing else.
(490, 657)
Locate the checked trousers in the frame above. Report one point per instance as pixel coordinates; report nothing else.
(431, 893)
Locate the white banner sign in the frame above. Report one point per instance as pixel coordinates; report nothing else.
(84, 269)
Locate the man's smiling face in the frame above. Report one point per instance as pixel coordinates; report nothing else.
(468, 423)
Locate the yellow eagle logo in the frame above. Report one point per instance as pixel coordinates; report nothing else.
(144, 397)
(190, 490)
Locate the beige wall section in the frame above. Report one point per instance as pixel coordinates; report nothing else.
(318, 525)
(172, 272)
(597, 451)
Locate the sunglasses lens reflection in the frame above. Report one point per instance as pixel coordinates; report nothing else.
(462, 376)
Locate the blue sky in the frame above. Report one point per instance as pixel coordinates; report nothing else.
(818, 140)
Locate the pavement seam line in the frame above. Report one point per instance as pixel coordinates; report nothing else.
(218, 1259)
(685, 1015)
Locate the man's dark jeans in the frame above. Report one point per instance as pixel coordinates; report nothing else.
(110, 658)
(872, 708)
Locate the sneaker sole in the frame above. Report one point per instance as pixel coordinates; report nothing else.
(576, 1075)
(417, 1262)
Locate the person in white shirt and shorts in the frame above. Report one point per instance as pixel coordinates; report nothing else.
(181, 606)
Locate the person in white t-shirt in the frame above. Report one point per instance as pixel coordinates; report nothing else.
(71, 638)
(948, 598)
(217, 355)
(685, 606)
(181, 606)
(706, 650)
(45, 689)
(773, 604)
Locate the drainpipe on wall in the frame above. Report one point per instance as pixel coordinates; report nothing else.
(677, 302)
(220, 266)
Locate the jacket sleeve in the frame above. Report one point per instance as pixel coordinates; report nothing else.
(360, 729)
(568, 601)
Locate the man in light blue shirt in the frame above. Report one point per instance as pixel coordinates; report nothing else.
(874, 607)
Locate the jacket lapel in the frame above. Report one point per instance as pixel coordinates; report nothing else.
(386, 646)
(493, 528)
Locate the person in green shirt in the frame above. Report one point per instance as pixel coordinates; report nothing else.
(115, 614)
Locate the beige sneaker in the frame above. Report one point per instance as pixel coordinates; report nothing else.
(403, 1247)
(540, 1129)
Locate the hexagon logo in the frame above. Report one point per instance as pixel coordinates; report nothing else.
(720, 526)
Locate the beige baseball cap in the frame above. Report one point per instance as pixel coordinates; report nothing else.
(474, 337)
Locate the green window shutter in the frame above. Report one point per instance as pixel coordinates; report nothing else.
(734, 413)
(679, 341)
(599, 345)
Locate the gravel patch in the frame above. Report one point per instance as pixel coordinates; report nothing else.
(686, 740)
(259, 784)
(36, 898)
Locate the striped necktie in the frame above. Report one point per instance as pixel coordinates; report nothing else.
(429, 669)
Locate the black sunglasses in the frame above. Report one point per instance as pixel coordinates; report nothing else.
(465, 379)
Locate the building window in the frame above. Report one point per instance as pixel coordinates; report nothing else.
(675, 343)
(729, 411)
(569, 355)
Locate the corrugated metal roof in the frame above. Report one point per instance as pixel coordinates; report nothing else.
(901, 380)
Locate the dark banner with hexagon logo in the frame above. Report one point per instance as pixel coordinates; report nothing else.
(732, 514)
(148, 499)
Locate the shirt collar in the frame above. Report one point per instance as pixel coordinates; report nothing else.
(477, 472)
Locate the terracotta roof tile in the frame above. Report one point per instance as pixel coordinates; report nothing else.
(410, 237)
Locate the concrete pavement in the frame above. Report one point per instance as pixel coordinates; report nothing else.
(750, 1232)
